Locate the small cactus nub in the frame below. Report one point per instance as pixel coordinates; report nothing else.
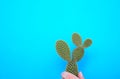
(87, 43)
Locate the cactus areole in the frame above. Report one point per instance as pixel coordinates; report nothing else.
(64, 51)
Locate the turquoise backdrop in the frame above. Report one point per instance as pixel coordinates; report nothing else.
(29, 30)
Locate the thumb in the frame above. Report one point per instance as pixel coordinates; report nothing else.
(80, 75)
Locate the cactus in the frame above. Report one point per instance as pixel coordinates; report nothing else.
(64, 51)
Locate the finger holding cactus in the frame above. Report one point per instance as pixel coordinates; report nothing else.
(64, 52)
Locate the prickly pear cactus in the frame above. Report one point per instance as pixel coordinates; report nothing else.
(64, 51)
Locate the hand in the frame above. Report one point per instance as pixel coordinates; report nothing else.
(67, 75)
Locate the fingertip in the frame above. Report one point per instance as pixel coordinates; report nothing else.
(80, 75)
(64, 74)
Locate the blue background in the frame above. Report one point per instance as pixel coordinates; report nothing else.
(29, 30)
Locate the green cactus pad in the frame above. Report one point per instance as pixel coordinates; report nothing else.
(77, 40)
(78, 54)
(63, 50)
(87, 43)
(72, 68)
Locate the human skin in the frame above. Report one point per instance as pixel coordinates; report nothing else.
(67, 75)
